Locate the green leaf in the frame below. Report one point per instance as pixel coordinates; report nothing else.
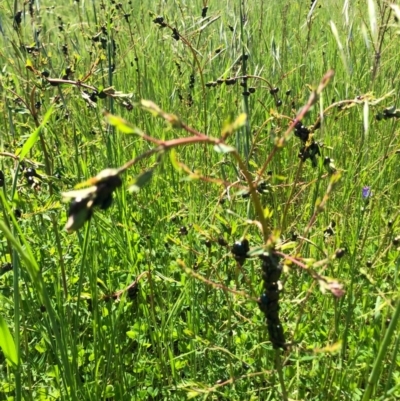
(29, 65)
(25, 253)
(132, 334)
(229, 128)
(193, 394)
(222, 148)
(255, 252)
(240, 121)
(141, 180)
(174, 160)
(30, 142)
(7, 343)
(22, 110)
(119, 123)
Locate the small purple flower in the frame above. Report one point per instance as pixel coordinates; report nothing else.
(366, 192)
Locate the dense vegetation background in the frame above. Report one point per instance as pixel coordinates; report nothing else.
(156, 297)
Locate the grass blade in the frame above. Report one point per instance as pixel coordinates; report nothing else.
(7, 343)
(30, 142)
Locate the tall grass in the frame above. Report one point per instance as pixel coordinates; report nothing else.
(146, 301)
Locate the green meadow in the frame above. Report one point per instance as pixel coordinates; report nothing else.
(199, 200)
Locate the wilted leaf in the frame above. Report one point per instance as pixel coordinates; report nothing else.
(329, 349)
(141, 180)
(222, 148)
(157, 112)
(331, 285)
(87, 99)
(256, 251)
(152, 107)
(109, 91)
(396, 10)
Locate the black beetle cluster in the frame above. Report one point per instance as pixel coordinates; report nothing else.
(221, 241)
(92, 96)
(269, 300)
(340, 253)
(6, 267)
(84, 201)
(232, 81)
(61, 24)
(18, 18)
(310, 149)
(34, 50)
(32, 177)
(1, 179)
(68, 72)
(131, 292)
(240, 249)
(183, 231)
(389, 112)
(160, 21)
(191, 81)
(175, 34)
(329, 231)
(227, 81)
(274, 92)
(301, 131)
(310, 152)
(64, 49)
(263, 187)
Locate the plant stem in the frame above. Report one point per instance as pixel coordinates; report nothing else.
(377, 368)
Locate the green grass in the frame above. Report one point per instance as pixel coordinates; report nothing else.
(194, 328)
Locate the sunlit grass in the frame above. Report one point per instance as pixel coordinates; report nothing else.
(191, 326)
